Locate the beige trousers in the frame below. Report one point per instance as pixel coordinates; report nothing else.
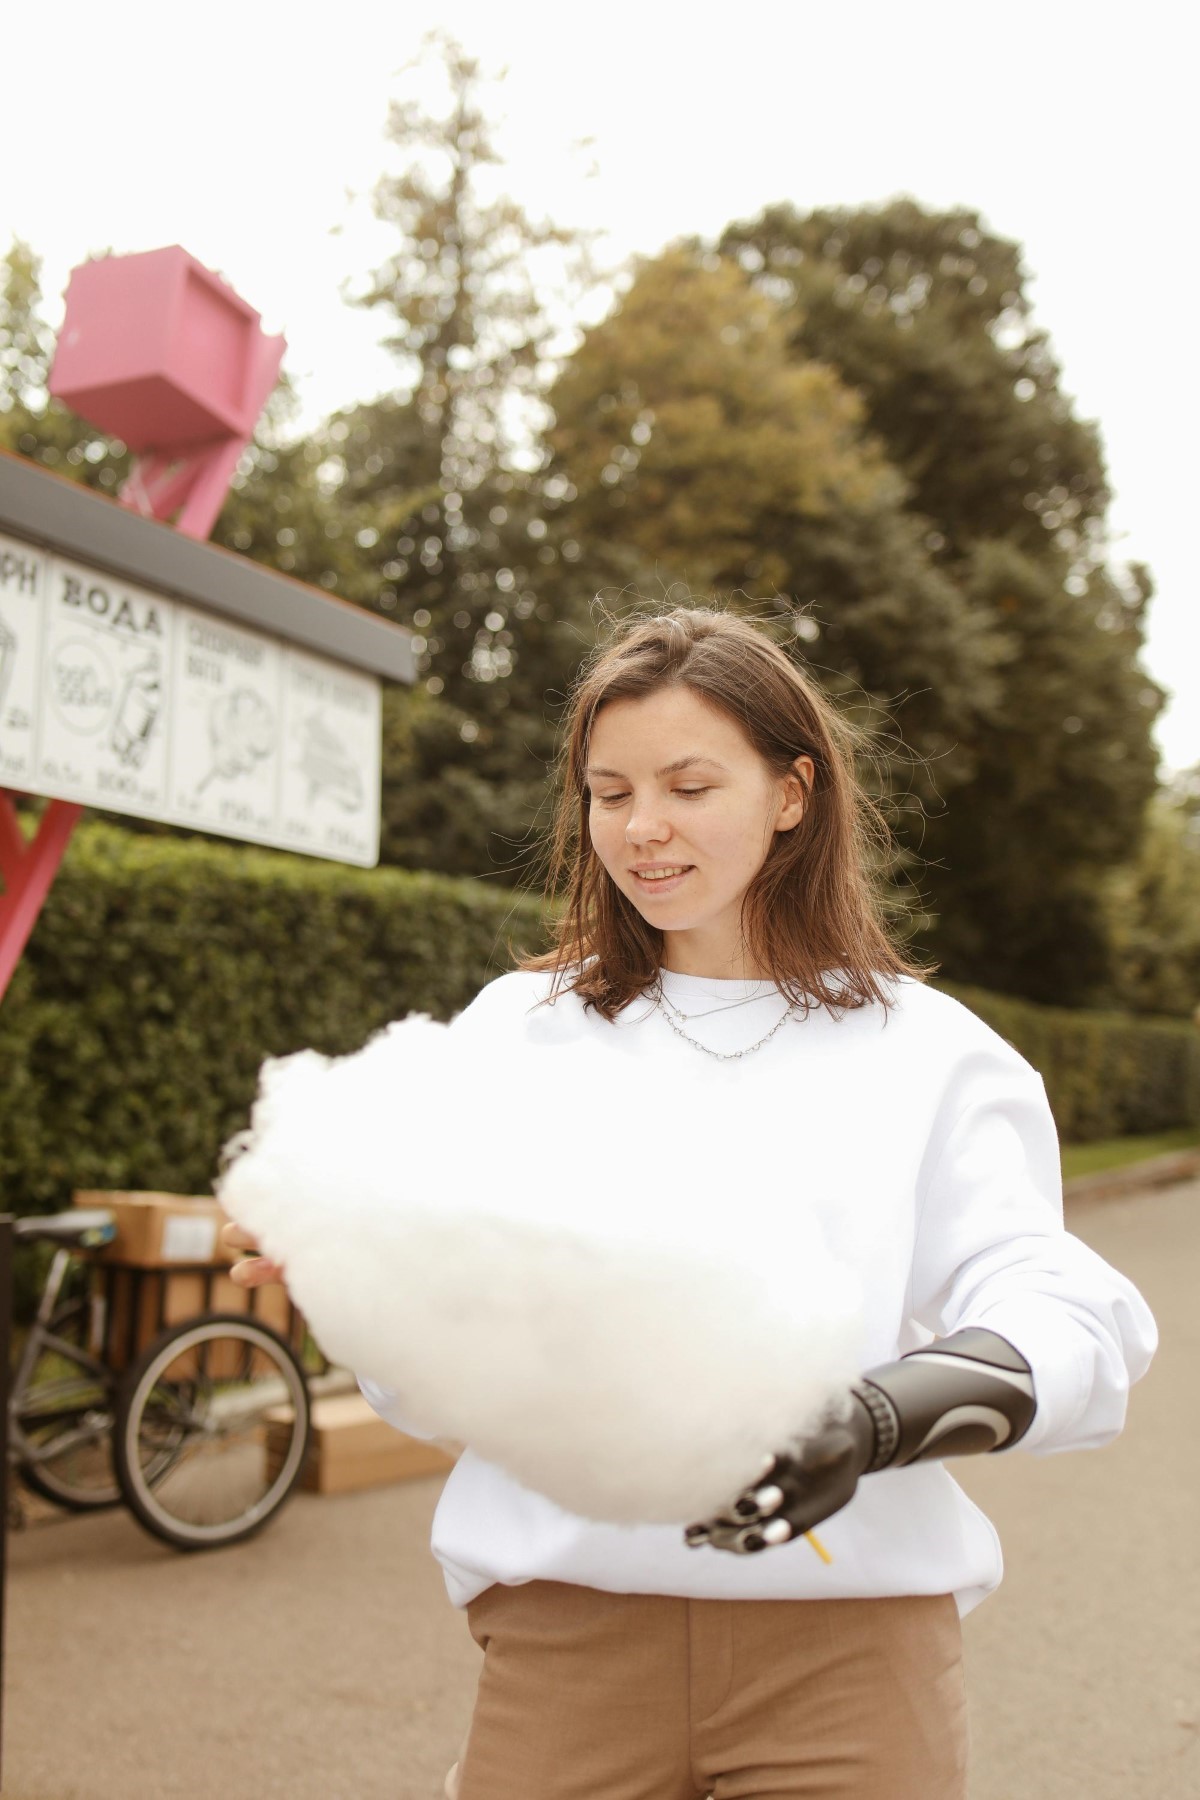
(586, 1695)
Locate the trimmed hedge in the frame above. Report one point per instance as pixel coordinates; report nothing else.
(164, 970)
(1107, 1074)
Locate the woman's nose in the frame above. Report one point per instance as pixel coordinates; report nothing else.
(646, 827)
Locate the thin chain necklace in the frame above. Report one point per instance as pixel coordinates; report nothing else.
(726, 1006)
(719, 1055)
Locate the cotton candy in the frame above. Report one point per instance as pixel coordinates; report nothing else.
(589, 1283)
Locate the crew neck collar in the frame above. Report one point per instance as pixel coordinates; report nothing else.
(733, 986)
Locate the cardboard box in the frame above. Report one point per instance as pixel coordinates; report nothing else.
(352, 1448)
(157, 1231)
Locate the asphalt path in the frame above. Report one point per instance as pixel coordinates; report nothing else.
(323, 1662)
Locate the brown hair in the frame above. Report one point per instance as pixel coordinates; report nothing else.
(813, 916)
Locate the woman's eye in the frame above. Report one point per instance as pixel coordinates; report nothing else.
(691, 793)
(610, 799)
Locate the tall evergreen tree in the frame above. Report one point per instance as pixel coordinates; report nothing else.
(467, 539)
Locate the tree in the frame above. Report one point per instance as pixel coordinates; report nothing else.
(460, 529)
(33, 424)
(925, 316)
(699, 441)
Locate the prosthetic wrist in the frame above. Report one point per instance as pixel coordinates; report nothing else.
(967, 1393)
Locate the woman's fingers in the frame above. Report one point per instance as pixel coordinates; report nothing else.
(255, 1271)
(236, 1237)
(252, 1271)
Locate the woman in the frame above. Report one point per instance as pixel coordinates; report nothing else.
(714, 846)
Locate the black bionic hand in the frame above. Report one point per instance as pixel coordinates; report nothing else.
(965, 1394)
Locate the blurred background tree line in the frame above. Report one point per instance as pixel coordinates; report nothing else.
(843, 421)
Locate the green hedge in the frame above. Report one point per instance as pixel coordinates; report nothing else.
(163, 971)
(1107, 1074)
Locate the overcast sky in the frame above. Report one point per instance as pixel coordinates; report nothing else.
(253, 134)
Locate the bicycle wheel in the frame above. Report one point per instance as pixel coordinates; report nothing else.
(63, 1419)
(211, 1431)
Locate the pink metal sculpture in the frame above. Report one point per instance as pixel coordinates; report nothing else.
(158, 351)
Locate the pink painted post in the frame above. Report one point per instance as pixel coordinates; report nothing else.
(156, 350)
(28, 870)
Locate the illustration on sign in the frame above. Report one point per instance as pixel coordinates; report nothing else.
(105, 645)
(137, 713)
(81, 686)
(329, 768)
(241, 730)
(140, 704)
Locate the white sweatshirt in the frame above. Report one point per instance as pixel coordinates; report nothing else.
(935, 1144)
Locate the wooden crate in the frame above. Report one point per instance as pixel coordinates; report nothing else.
(353, 1448)
(131, 1305)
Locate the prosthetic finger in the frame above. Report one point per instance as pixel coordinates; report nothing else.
(742, 1540)
(967, 1393)
(804, 1488)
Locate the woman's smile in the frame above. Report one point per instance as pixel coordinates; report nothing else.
(657, 880)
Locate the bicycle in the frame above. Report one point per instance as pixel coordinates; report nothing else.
(203, 1436)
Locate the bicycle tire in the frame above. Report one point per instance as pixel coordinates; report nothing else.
(67, 1418)
(212, 1430)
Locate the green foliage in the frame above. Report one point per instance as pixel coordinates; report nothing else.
(31, 423)
(844, 419)
(1153, 908)
(162, 972)
(1107, 1074)
(925, 316)
(1120, 1153)
(694, 436)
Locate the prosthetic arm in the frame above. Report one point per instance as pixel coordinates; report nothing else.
(963, 1394)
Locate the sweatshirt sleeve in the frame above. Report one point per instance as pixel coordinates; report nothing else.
(991, 1251)
(390, 1407)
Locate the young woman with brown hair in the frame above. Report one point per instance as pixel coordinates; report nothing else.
(717, 856)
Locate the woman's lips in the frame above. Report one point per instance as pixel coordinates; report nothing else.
(654, 882)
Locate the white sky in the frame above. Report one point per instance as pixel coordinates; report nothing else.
(252, 135)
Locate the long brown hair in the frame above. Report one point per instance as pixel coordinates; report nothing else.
(813, 916)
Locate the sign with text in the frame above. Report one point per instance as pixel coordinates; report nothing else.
(129, 701)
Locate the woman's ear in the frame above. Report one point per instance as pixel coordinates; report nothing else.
(797, 786)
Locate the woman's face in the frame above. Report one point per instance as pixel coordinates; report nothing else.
(683, 811)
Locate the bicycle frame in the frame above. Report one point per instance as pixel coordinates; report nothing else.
(40, 1338)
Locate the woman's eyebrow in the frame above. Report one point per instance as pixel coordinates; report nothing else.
(674, 768)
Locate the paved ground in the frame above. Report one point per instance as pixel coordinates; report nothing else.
(323, 1663)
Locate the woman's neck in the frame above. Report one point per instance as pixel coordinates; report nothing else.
(684, 955)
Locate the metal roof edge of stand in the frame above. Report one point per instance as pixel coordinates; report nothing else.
(60, 515)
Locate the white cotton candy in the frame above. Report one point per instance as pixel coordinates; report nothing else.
(554, 1256)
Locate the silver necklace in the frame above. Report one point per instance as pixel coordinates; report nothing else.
(721, 1055)
(726, 1006)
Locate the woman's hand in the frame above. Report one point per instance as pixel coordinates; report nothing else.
(253, 1270)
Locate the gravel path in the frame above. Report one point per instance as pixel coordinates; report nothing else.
(322, 1662)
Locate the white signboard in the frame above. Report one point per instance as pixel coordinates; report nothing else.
(128, 701)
